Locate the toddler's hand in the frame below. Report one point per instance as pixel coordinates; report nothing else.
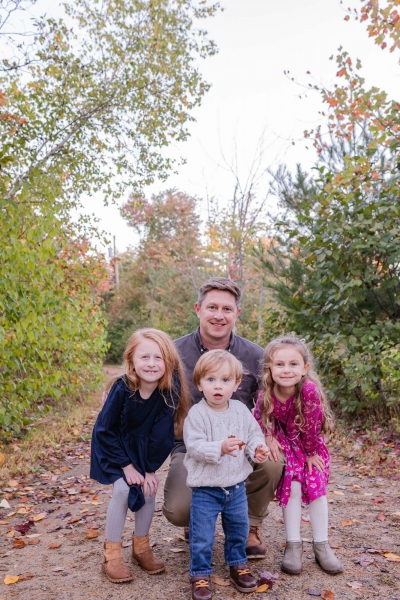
(230, 446)
(315, 461)
(132, 475)
(274, 446)
(261, 453)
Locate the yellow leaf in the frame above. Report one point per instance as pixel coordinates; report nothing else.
(1, 458)
(338, 493)
(9, 579)
(40, 517)
(392, 557)
(262, 588)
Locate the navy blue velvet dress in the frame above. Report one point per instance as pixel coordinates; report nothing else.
(131, 430)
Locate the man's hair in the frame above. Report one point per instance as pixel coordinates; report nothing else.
(215, 359)
(219, 283)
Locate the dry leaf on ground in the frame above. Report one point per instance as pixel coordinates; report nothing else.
(91, 534)
(262, 588)
(178, 549)
(19, 544)
(54, 546)
(219, 580)
(10, 579)
(392, 557)
(328, 595)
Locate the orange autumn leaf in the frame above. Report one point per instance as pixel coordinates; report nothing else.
(328, 595)
(262, 588)
(392, 557)
(1, 458)
(9, 579)
(26, 577)
(91, 534)
(19, 544)
(33, 542)
(346, 522)
(54, 546)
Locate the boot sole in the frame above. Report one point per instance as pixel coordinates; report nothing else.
(124, 580)
(240, 589)
(136, 562)
(329, 572)
(290, 571)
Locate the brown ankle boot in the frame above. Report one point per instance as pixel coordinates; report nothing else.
(143, 554)
(255, 547)
(113, 564)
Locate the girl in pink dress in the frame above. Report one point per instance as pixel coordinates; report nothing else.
(294, 413)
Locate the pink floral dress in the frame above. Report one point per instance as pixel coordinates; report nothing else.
(297, 445)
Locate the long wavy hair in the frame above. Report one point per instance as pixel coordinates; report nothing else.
(172, 382)
(268, 384)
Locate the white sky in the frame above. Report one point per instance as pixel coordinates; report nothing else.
(258, 40)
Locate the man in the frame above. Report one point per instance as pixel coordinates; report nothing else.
(218, 308)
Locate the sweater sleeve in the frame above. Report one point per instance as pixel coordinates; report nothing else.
(106, 430)
(255, 436)
(195, 437)
(313, 418)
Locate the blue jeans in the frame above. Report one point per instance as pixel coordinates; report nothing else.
(207, 503)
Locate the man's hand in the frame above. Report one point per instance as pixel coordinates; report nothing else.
(315, 461)
(132, 475)
(230, 446)
(274, 446)
(261, 453)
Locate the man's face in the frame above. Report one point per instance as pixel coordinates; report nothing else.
(217, 314)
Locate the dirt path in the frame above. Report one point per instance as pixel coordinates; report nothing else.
(46, 541)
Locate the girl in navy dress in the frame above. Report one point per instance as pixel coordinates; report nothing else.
(132, 437)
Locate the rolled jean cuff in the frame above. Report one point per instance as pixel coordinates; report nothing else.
(200, 574)
(235, 563)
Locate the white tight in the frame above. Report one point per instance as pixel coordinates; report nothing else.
(318, 511)
(118, 507)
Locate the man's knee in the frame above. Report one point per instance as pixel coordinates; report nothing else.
(177, 496)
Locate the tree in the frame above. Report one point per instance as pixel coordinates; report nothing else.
(337, 244)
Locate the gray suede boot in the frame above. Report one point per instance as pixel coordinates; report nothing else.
(292, 558)
(326, 559)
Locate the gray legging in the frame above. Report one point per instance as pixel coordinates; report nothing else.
(118, 507)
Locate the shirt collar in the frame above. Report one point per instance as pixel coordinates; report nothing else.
(201, 346)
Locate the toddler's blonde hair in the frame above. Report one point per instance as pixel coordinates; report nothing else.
(213, 360)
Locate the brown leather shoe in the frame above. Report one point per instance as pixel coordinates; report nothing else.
(242, 579)
(113, 565)
(201, 587)
(143, 554)
(255, 547)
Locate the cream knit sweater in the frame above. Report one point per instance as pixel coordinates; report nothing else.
(204, 431)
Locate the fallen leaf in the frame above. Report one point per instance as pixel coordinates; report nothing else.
(338, 493)
(355, 585)
(72, 491)
(91, 534)
(9, 579)
(380, 517)
(219, 580)
(392, 557)
(378, 500)
(22, 511)
(4, 504)
(19, 544)
(4, 522)
(11, 514)
(40, 517)
(346, 522)
(262, 588)
(11, 533)
(26, 577)
(64, 469)
(328, 595)
(33, 542)
(178, 549)
(13, 483)
(74, 520)
(54, 546)
(181, 537)
(1, 458)
(317, 591)
(58, 569)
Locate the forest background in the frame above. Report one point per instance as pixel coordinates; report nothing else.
(88, 105)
